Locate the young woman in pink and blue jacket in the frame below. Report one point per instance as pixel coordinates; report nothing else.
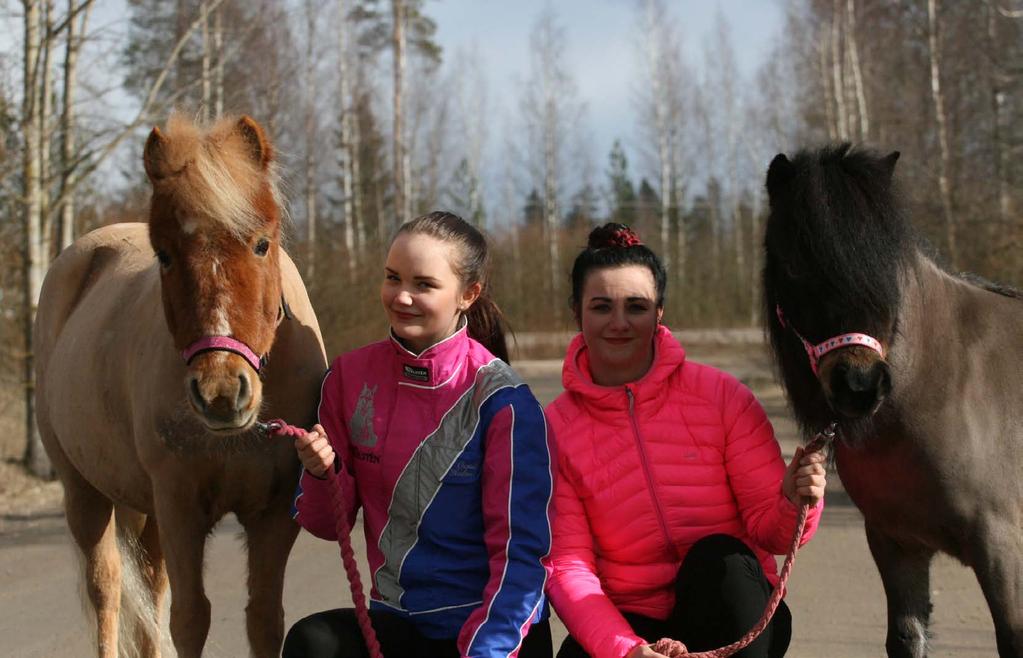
(672, 496)
(448, 451)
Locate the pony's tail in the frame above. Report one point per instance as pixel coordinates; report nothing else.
(139, 625)
(487, 324)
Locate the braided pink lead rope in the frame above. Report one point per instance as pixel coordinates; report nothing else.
(344, 538)
(675, 649)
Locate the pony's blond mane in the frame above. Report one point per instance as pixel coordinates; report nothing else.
(213, 175)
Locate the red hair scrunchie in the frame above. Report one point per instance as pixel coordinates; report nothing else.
(623, 237)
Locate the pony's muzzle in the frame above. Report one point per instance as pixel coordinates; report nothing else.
(856, 391)
(226, 398)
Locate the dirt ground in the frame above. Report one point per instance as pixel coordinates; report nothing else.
(835, 593)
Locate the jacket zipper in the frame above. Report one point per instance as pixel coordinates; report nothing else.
(649, 476)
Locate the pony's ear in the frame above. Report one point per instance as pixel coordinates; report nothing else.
(258, 146)
(779, 172)
(154, 155)
(889, 163)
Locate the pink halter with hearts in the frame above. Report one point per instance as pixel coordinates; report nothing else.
(816, 352)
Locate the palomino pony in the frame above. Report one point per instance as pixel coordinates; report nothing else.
(923, 372)
(154, 365)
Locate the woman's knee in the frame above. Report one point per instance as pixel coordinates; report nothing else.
(320, 634)
(724, 564)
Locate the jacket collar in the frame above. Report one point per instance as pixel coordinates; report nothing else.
(669, 356)
(436, 365)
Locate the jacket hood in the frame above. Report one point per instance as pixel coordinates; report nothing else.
(669, 356)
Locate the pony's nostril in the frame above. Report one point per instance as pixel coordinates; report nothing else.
(197, 399)
(244, 393)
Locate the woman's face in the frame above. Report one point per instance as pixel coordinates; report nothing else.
(422, 294)
(618, 315)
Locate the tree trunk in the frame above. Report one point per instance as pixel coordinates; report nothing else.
(310, 147)
(829, 98)
(45, 133)
(207, 90)
(67, 144)
(34, 265)
(944, 186)
(401, 163)
(854, 59)
(842, 123)
(347, 155)
(218, 64)
(550, 198)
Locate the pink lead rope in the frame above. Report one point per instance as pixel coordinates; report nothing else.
(344, 538)
(675, 649)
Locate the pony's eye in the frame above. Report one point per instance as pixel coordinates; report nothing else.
(164, 259)
(262, 247)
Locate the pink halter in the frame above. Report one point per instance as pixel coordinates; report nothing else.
(224, 344)
(816, 352)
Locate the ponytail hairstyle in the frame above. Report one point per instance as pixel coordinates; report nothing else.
(471, 264)
(614, 245)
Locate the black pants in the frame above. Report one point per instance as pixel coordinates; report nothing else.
(721, 592)
(336, 634)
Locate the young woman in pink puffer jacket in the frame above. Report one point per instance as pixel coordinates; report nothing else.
(671, 496)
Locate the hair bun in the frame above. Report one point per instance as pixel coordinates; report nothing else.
(613, 236)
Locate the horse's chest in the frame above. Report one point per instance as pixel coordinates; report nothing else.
(894, 491)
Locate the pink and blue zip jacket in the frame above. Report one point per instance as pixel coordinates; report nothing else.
(453, 470)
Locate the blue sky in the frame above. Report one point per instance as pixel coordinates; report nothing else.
(600, 48)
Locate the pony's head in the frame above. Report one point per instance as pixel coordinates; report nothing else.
(836, 247)
(214, 225)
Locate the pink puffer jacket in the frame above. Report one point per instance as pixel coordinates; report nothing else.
(644, 471)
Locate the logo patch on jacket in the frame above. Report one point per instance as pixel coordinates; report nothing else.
(362, 419)
(418, 373)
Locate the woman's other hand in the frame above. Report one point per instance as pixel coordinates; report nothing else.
(644, 651)
(804, 478)
(315, 451)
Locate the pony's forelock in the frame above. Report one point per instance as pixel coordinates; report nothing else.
(215, 177)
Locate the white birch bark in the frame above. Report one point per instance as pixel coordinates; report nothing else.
(346, 107)
(34, 263)
(660, 48)
(857, 72)
(207, 95)
(402, 163)
(941, 124)
(841, 113)
(45, 131)
(218, 62)
(310, 145)
(75, 31)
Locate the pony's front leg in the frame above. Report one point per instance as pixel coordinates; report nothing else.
(997, 559)
(906, 576)
(270, 537)
(183, 523)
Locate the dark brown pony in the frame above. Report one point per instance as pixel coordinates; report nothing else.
(152, 341)
(932, 421)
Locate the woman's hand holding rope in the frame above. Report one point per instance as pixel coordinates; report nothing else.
(315, 451)
(804, 479)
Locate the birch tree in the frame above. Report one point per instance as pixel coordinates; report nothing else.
(35, 193)
(402, 177)
(76, 28)
(944, 186)
(550, 109)
(661, 109)
(349, 146)
(35, 265)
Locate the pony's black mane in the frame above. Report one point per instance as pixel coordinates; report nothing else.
(991, 286)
